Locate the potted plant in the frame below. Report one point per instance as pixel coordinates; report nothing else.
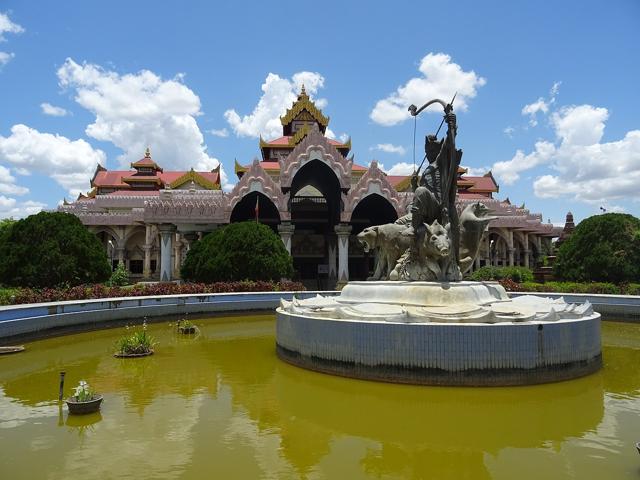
(84, 400)
(137, 344)
(186, 327)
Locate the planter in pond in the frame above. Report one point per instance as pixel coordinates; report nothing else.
(14, 349)
(88, 406)
(187, 330)
(132, 355)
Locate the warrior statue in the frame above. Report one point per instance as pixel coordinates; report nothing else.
(427, 243)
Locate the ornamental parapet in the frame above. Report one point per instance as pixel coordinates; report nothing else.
(192, 207)
(131, 217)
(120, 201)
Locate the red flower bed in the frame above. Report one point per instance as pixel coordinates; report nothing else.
(86, 292)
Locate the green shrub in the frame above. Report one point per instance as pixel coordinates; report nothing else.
(239, 251)
(573, 287)
(603, 248)
(516, 274)
(119, 277)
(51, 249)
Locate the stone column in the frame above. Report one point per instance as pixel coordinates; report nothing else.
(188, 239)
(146, 266)
(526, 257)
(120, 255)
(285, 229)
(477, 262)
(177, 255)
(510, 248)
(343, 231)
(148, 245)
(166, 238)
(332, 247)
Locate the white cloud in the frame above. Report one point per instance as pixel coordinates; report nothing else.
(476, 171)
(532, 110)
(581, 125)
(441, 78)
(134, 111)
(401, 168)
(7, 26)
(5, 58)
(223, 133)
(52, 110)
(278, 94)
(509, 171)
(10, 207)
(583, 167)
(542, 105)
(509, 131)
(70, 163)
(389, 148)
(8, 183)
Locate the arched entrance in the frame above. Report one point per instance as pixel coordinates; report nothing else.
(111, 243)
(498, 250)
(315, 204)
(245, 209)
(373, 209)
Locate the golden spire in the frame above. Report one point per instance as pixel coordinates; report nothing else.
(147, 153)
(303, 92)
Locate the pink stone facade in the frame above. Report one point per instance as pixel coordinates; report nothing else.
(306, 187)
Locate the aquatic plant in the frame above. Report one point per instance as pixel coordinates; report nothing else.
(83, 392)
(137, 343)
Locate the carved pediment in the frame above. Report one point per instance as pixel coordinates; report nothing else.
(374, 181)
(256, 179)
(315, 146)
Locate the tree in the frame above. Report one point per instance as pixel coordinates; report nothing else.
(5, 225)
(604, 248)
(239, 251)
(51, 249)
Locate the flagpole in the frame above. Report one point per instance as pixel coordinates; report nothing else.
(257, 206)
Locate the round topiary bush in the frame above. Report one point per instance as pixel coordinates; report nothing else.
(603, 248)
(239, 251)
(51, 249)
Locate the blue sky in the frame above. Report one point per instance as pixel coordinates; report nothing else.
(548, 98)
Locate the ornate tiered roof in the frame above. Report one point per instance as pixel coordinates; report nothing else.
(147, 178)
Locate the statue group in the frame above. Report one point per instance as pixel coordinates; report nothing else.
(433, 242)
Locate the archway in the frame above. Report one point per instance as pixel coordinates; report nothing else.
(134, 252)
(110, 242)
(373, 209)
(315, 204)
(498, 250)
(245, 209)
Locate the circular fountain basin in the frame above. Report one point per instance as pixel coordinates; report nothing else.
(423, 337)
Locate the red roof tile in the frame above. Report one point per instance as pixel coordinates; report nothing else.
(484, 183)
(113, 178)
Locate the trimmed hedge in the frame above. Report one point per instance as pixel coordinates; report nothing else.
(517, 274)
(245, 250)
(573, 287)
(86, 292)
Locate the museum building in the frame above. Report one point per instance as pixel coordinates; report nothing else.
(305, 186)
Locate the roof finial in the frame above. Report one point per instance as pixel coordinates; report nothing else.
(147, 153)
(303, 91)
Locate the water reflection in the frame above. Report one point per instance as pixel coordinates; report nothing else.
(223, 404)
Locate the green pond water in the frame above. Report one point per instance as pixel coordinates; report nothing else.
(222, 406)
